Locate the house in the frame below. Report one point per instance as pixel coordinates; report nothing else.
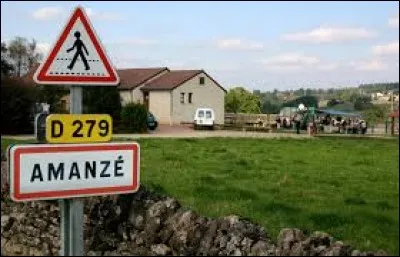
(174, 97)
(171, 95)
(132, 80)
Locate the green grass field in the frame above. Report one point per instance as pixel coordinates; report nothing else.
(348, 187)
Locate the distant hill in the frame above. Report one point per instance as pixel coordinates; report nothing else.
(379, 87)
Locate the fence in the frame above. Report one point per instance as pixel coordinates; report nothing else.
(253, 122)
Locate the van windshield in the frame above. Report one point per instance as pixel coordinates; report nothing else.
(201, 114)
(208, 114)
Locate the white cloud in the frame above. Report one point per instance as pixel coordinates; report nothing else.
(330, 35)
(394, 21)
(43, 48)
(238, 44)
(105, 16)
(328, 67)
(387, 49)
(290, 61)
(369, 65)
(47, 13)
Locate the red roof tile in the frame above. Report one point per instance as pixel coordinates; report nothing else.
(131, 78)
(171, 80)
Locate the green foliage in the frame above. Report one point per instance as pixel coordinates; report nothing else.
(333, 102)
(134, 118)
(270, 108)
(308, 100)
(379, 87)
(52, 95)
(362, 103)
(377, 114)
(344, 107)
(239, 100)
(102, 100)
(17, 102)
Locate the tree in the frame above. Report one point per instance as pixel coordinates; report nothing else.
(23, 55)
(239, 100)
(362, 103)
(17, 102)
(6, 67)
(51, 95)
(377, 114)
(270, 108)
(104, 100)
(309, 101)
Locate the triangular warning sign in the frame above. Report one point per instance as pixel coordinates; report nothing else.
(77, 58)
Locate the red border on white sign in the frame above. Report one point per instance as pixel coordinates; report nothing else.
(15, 171)
(40, 76)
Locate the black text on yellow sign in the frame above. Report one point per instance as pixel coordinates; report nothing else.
(78, 128)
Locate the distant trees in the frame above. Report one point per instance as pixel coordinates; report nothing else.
(377, 114)
(17, 101)
(6, 66)
(21, 54)
(239, 100)
(379, 87)
(362, 103)
(308, 100)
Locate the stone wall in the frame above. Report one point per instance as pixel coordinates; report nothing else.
(149, 224)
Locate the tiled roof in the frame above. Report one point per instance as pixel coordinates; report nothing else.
(131, 78)
(171, 80)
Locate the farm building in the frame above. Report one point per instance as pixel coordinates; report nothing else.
(171, 95)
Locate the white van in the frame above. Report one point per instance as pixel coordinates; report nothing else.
(204, 117)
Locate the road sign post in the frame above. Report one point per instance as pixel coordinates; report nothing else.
(72, 210)
(63, 67)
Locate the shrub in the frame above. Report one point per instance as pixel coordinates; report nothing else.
(134, 117)
(17, 103)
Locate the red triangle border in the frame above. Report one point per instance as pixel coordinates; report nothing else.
(42, 77)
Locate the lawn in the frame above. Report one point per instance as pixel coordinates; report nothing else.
(348, 187)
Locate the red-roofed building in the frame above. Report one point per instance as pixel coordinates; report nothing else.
(172, 96)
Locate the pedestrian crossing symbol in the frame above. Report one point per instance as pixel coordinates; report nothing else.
(77, 58)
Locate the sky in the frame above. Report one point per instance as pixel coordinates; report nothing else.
(257, 45)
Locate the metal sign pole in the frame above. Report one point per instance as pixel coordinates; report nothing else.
(72, 209)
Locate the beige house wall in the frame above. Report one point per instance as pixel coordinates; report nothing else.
(126, 96)
(209, 95)
(160, 106)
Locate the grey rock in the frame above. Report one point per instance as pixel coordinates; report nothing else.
(160, 249)
(259, 249)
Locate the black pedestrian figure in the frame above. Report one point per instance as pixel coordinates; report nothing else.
(79, 45)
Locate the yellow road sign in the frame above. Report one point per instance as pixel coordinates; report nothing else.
(78, 128)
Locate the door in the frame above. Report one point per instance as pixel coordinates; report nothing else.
(146, 100)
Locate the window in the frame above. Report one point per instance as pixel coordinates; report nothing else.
(201, 80)
(190, 98)
(182, 98)
(208, 114)
(201, 114)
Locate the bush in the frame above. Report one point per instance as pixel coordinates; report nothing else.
(17, 103)
(134, 118)
(102, 100)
